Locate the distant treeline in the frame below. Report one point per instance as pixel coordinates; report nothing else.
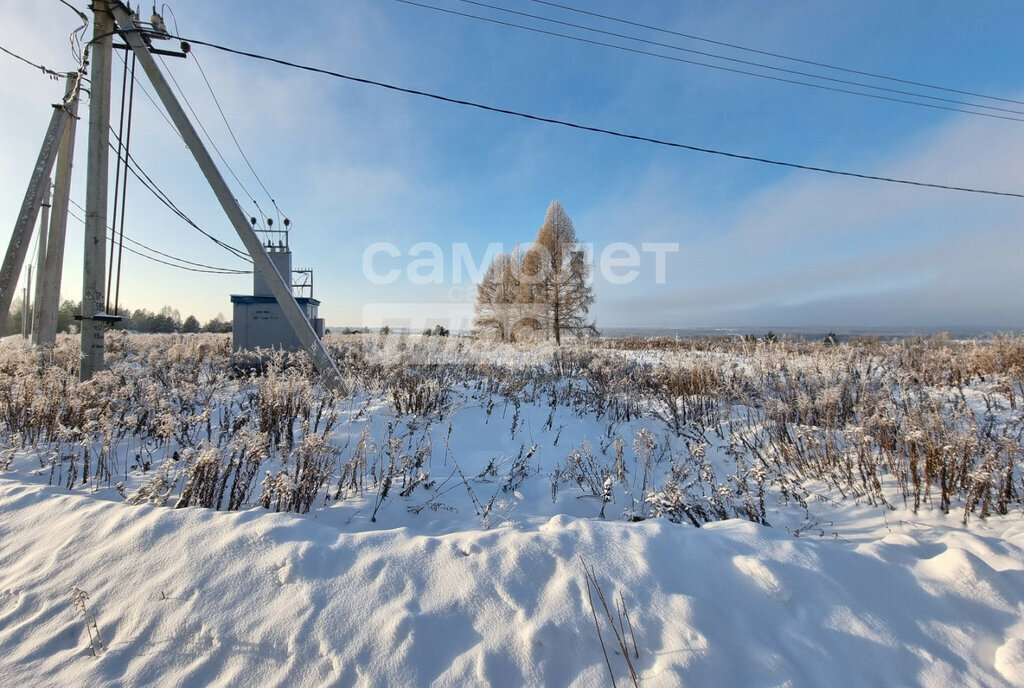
(167, 320)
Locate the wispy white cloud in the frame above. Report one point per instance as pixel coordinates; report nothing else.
(862, 246)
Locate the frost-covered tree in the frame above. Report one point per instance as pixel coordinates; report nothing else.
(497, 298)
(544, 291)
(556, 274)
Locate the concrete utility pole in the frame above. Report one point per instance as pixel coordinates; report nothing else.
(26, 300)
(44, 225)
(280, 289)
(95, 252)
(14, 260)
(48, 300)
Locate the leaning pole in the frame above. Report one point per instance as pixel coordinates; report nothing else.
(17, 249)
(260, 260)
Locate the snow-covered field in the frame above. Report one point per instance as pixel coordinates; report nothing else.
(445, 520)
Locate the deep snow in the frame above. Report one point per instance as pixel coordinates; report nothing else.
(195, 597)
(432, 591)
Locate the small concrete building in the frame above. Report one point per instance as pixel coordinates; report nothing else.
(259, 322)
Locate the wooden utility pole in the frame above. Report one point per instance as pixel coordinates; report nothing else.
(48, 300)
(280, 289)
(95, 252)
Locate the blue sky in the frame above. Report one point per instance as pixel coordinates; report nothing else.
(759, 246)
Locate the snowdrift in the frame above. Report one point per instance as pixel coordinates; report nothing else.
(194, 597)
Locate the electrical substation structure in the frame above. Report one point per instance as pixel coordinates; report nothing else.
(258, 320)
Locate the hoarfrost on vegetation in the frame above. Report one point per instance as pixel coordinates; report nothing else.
(691, 431)
(451, 495)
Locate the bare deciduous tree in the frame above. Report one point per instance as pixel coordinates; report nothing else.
(544, 291)
(497, 298)
(562, 275)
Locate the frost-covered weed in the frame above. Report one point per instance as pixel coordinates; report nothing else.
(690, 430)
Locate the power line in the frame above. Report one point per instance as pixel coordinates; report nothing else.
(82, 15)
(147, 181)
(45, 70)
(235, 139)
(779, 56)
(127, 238)
(121, 193)
(698, 63)
(726, 58)
(208, 137)
(75, 38)
(598, 130)
(186, 268)
(200, 267)
(212, 269)
(153, 188)
(139, 84)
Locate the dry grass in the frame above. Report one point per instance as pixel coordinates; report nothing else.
(937, 420)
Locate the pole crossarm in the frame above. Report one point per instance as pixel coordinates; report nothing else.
(261, 261)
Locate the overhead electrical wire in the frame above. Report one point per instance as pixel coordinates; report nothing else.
(76, 36)
(80, 55)
(80, 13)
(140, 174)
(726, 58)
(152, 187)
(723, 68)
(205, 268)
(121, 192)
(208, 137)
(235, 139)
(123, 155)
(184, 267)
(79, 75)
(160, 110)
(200, 267)
(779, 56)
(45, 70)
(595, 129)
(76, 47)
(227, 123)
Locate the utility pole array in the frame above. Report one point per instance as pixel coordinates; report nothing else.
(280, 289)
(14, 259)
(112, 16)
